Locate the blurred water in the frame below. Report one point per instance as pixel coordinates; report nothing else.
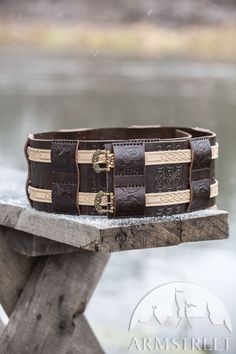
(42, 91)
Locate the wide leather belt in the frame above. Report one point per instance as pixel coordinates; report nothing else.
(122, 172)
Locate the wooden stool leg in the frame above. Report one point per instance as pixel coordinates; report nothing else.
(14, 272)
(48, 317)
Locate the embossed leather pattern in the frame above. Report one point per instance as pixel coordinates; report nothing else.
(167, 178)
(130, 179)
(200, 173)
(64, 176)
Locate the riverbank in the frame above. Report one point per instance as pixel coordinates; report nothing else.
(142, 40)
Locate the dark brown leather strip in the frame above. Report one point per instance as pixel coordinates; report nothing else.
(129, 179)
(28, 180)
(200, 173)
(112, 134)
(64, 177)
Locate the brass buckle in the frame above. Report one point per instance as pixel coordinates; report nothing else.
(108, 160)
(109, 207)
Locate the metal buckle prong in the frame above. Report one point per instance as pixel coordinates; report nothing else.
(108, 160)
(109, 205)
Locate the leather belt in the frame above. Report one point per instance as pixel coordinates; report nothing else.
(122, 172)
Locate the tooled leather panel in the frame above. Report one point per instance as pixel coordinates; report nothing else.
(129, 201)
(129, 159)
(41, 176)
(129, 179)
(64, 177)
(41, 173)
(166, 178)
(200, 191)
(200, 173)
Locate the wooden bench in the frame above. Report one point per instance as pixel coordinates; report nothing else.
(50, 265)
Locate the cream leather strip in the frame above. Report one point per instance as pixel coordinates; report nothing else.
(173, 156)
(45, 196)
(39, 155)
(40, 195)
(177, 197)
(152, 199)
(151, 157)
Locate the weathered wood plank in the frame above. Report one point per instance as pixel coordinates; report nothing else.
(106, 235)
(60, 228)
(14, 272)
(88, 344)
(198, 226)
(34, 246)
(48, 317)
(100, 233)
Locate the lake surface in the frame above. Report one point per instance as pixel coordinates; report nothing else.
(43, 91)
